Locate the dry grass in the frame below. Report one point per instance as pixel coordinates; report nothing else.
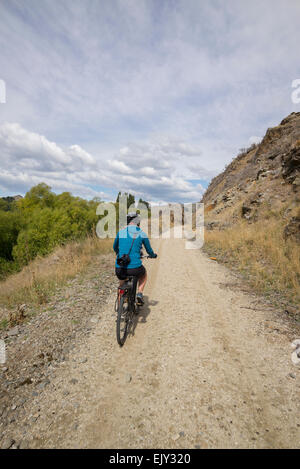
(260, 251)
(36, 281)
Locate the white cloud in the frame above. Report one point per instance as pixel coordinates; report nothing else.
(21, 144)
(147, 171)
(76, 151)
(141, 91)
(119, 166)
(74, 169)
(254, 140)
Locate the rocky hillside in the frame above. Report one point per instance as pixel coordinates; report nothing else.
(264, 176)
(252, 213)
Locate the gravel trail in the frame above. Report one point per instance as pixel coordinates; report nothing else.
(208, 366)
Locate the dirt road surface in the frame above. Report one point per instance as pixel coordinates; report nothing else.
(208, 366)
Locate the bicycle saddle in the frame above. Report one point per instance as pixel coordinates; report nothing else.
(126, 284)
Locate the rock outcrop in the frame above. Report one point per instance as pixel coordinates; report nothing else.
(263, 177)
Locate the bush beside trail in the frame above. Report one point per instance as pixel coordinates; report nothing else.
(39, 222)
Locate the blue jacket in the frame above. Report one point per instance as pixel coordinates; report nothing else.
(123, 242)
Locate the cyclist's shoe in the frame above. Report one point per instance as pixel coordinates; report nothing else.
(140, 299)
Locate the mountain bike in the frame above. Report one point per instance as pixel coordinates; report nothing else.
(126, 306)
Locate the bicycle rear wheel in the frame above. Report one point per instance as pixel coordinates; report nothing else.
(122, 320)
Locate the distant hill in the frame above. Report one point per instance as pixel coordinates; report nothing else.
(12, 198)
(5, 202)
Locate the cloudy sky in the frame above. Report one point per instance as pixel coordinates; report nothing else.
(148, 96)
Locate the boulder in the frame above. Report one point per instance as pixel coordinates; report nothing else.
(248, 205)
(291, 164)
(211, 225)
(292, 229)
(13, 331)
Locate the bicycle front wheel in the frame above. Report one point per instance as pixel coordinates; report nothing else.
(122, 320)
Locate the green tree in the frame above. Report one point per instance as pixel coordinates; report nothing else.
(39, 222)
(130, 200)
(40, 196)
(9, 230)
(141, 201)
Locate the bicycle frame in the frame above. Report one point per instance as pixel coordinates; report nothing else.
(126, 306)
(129, 288)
